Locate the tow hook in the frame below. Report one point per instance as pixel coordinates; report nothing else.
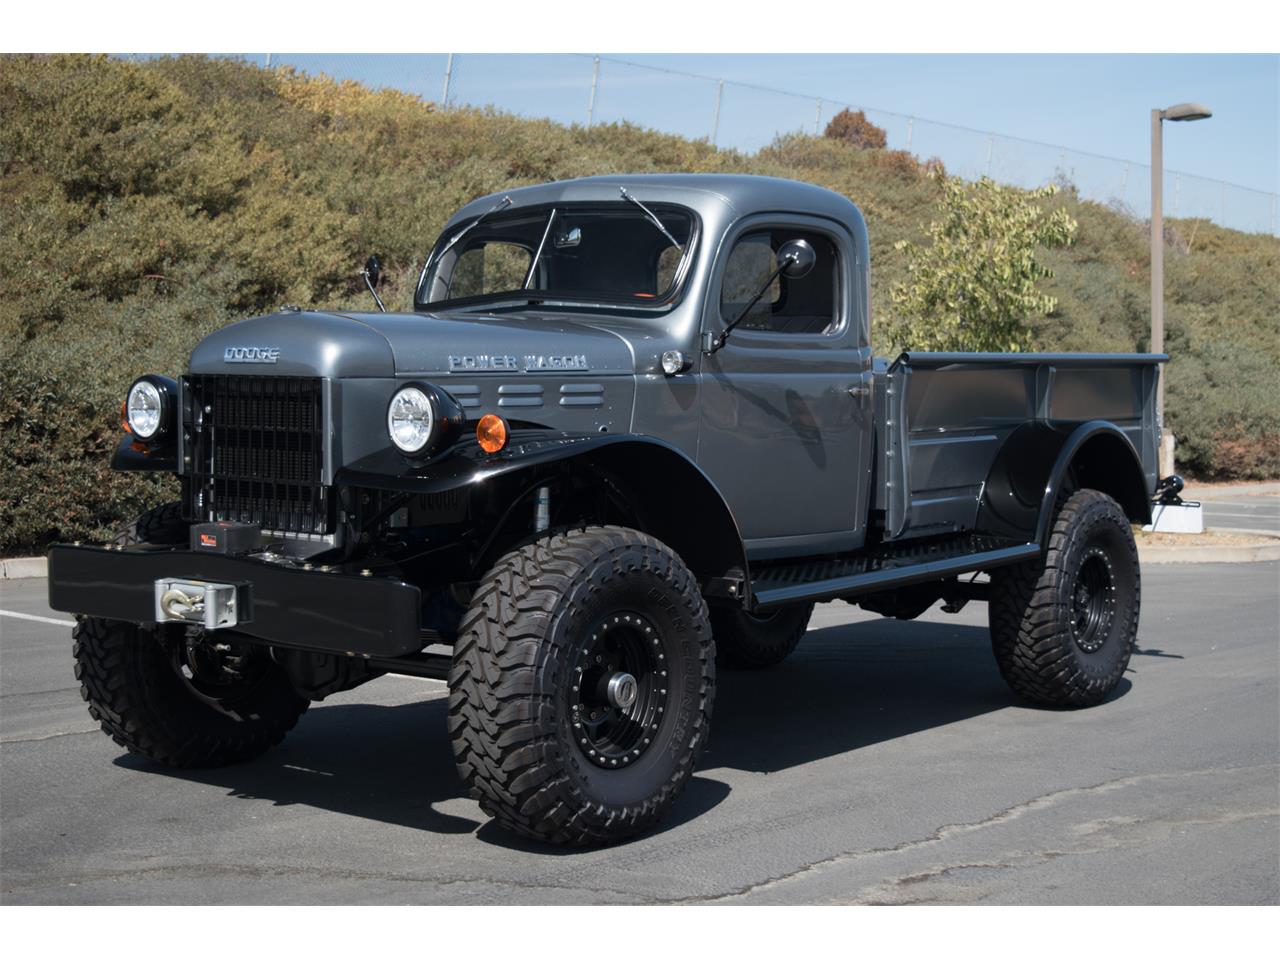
(211, 605)
(182, 606)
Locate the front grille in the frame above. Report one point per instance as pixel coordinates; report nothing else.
(257, 452)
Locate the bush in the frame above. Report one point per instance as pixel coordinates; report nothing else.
(856, 129)
(974, 286)
(143, 205)
(898, 162)
(1224, 410)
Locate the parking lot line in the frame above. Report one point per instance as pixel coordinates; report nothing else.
(32, 616)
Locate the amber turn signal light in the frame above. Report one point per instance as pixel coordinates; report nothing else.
(491, 433)
(124, 416)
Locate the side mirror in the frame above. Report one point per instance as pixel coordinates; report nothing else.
(372, 273)
(373, 270)
(796, 258)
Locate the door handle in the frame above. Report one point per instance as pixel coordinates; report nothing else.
(860, 390)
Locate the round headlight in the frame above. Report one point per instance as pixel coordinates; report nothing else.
(410, 419)
(144, 409)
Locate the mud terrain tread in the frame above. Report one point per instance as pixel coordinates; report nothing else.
(131, 688)
(749, 645)
(1029, 619)
(504, 694)
(162, 524)
(136, 698)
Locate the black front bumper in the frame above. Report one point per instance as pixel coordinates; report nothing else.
(337, 611)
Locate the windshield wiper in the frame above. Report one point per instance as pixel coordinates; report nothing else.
(501, 205)
(652, 218)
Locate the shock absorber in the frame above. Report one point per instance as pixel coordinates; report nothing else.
(542, 509)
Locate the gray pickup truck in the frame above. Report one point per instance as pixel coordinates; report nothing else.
(632, 427)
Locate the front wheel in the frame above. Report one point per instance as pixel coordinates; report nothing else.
(1064, 626)
(582, 683)
(173, 694)
(170, 694)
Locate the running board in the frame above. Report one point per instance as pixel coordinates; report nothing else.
(829, 580)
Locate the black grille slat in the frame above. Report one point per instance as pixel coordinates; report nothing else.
(258, 452)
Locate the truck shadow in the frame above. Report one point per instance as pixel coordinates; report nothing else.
(845, 688)
(854, 685)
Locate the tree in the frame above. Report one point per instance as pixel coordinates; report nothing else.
(856, 129)
(973, 287)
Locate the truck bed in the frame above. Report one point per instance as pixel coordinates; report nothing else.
(942, 418)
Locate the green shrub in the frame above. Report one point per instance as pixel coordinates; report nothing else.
(974, 286)
(144, 204)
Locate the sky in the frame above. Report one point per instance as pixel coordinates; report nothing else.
(1095, 103)
(1009, 116)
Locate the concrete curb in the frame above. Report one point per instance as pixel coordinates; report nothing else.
(23, 568)
(1258, 553)
(27, 568)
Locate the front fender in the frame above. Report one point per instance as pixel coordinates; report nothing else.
(131, 454)
(674, 499)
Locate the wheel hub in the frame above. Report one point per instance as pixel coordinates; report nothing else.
(1093, 601)
(220, 674)
(622, 690)
(619, 689)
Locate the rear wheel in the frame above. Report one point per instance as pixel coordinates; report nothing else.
(582, 683)
(1064, 626)
(758, 640)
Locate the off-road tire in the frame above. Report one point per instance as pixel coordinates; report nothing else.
(511, 711)
(134, 690)
(1033, 606)
(753, 642)
(163, 524)
(128, 679)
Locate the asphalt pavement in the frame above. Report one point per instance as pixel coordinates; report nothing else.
(1239, 510)
(884, 762)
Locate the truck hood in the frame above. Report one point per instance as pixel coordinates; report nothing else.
(310, 343)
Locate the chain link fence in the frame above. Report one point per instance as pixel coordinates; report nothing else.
(587, 89)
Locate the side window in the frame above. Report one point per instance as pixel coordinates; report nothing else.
(809, 305)
(489, 268)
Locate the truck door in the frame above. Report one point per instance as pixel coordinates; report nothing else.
(786, 425)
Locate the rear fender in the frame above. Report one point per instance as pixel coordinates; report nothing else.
(1039, 461)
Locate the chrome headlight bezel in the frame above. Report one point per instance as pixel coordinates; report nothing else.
(411, 417)
(439, 417)
(151, 419)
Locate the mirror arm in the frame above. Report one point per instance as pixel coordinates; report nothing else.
(369, 283)
(719, 339)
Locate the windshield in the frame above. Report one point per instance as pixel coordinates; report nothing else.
(611, 251)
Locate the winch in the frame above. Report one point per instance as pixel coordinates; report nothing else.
(211, 605)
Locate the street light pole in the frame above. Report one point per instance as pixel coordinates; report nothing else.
(1180, 111)
(1157, 259)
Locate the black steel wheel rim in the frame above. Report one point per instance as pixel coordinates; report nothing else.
(1093, 601)
(622, 652)
(221, 675)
